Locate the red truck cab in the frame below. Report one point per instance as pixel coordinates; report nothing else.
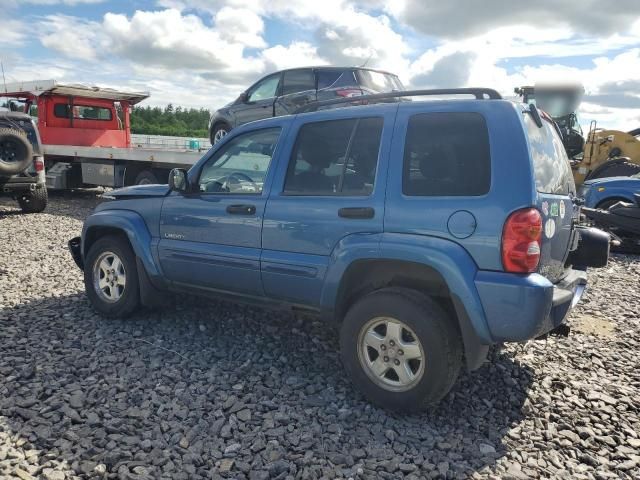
(81, 115)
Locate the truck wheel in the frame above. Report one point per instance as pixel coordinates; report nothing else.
(146, 177)
(111, 277)
(16, 153)
(34, 202)
(219, 132)
(400, 349)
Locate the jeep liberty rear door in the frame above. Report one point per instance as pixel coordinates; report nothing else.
(328, 195)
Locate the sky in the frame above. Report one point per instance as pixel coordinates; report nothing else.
(203, 53)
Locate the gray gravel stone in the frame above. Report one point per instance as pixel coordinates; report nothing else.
(258, 394)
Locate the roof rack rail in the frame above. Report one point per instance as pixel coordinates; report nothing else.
(479, 93)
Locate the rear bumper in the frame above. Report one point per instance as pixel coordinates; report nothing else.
(523, 307)
(19, 184)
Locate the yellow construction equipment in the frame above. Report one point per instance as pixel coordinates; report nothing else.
(608, 153)
(605, 153)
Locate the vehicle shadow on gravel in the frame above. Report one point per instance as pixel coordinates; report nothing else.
(221, 389)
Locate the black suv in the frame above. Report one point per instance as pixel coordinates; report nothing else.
(284, 92)
(22, 172)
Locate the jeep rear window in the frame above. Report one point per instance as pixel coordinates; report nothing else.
(335, 157)
(551, 166)
(446, 154)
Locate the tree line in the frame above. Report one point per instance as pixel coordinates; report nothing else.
(170, 120)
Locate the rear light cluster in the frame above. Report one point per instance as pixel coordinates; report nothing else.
(39, 164)
(521, 239)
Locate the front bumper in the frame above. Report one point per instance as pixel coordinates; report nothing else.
(523, 307)
(75, 247)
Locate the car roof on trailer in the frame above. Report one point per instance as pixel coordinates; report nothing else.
(40, 87)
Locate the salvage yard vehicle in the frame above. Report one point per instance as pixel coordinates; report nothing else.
(22, 173)
(86, 136)
(428, 230)
(613, 204)
(283, 92)
(622, 221)
(604, 192)
(604, 153)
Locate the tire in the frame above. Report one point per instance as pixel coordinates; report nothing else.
(34, 202)
(146, 177)
(16, 152)
(438, 342)
(219, 132)
(123, 300)
(614, 168)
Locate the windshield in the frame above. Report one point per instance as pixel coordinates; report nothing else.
(379, 82)
(19, 105)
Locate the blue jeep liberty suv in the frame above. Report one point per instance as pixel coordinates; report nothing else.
(428, 230)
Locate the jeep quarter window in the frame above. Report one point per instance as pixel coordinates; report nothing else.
(446, 154)
(241, 165)
(336, 157)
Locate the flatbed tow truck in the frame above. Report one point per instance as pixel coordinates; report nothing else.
(86, 136)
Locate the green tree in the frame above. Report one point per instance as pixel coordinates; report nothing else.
(172, 121)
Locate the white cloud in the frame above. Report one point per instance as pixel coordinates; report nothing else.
(240, 25)
(462, 18)
(295, 55)
(13, 32)
(57, 2)
(203, 52)
(71, 36)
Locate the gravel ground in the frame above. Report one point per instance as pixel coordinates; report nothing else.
(211, 390)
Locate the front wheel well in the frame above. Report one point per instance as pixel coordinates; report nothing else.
(94, 233)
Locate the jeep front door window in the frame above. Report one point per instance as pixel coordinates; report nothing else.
(241, 165)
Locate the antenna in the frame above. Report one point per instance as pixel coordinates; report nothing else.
(367, 60)
(4, 81)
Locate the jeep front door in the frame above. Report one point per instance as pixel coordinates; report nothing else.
(210, 237)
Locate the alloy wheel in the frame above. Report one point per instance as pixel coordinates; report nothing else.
(391, 354)
(109, 277)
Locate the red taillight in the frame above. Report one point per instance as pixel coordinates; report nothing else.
(39, 164)
(349, 92)
(521, 241)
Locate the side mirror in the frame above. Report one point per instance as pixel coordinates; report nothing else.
(244, 97)
(178, 181)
